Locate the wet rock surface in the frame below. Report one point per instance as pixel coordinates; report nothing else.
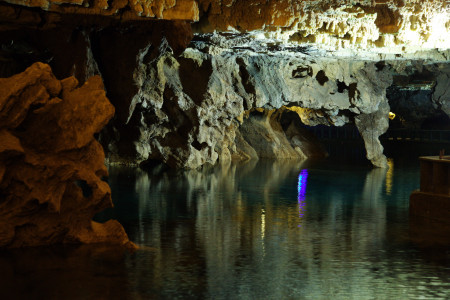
(51, 166)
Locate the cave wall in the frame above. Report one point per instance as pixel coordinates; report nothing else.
(194, 82)
(419, 95)
(51, 166)
(186, 107)
(185, 116)
(336, 23)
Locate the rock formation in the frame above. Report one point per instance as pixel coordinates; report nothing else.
(187, 105)
(420, 95)
(51, 166)
(184, 117)
(195, 82)
(333, 23)
(337, 24)
(129, 10)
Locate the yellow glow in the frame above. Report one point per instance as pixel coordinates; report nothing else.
(389, 176)
(263, 230)
(263, 224)
(391, 115)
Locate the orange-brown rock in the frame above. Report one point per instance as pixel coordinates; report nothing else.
(335, 24)
(51, 166)
(159, 9)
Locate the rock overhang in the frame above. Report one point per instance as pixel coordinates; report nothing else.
(363, 39)
(366, 28)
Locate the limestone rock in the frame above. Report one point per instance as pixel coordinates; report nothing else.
(328, 61)
(243, 149)
(266, 136)
(264, 132)
(371, 126)
(362, 24)
(441, 95)
(304, 142)
(160, 9)
(419, 95)
(384, 27)
(51, 167)
(185, 105)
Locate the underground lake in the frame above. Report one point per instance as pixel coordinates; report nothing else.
(262, 230)
(224, 149)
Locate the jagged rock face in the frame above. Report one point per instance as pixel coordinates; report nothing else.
(189, 108)
(183, 116)
(339, 24)
(441, 95)
(394, 25)
(419, 95)
(124, 9)
(186, 110)
(278, 134)
(371, 126)
(51, 167)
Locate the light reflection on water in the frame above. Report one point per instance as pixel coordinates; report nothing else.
(302, 180)
(233, 232)
(271, 230)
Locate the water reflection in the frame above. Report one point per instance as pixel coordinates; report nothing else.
(302, 179)
(233, 232)
(389, 176)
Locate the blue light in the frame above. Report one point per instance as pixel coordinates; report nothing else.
(301, 188)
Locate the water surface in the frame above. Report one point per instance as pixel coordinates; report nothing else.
(266, 230)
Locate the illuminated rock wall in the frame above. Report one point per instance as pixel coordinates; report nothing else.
(336, 23)
(123, 9)
(51, 167)
(184, 117)
(329, 61)
(396, 25)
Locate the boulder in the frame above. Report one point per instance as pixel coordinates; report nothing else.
(51, 166)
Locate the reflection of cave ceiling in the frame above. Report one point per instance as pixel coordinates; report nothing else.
(390, 26)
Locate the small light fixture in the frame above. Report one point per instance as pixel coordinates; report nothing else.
(391, 115)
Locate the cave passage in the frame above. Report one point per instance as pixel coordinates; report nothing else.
(252, 149)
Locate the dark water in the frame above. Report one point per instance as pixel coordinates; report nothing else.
(267, 230)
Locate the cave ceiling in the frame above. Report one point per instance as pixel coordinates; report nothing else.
(373, 29)
(181, 74)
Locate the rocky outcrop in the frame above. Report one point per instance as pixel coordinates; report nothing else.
(441, 95)
(330, 62)
(371, 126)
(184, 116)
(51, 166)
(278, 134)
(419, 95)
